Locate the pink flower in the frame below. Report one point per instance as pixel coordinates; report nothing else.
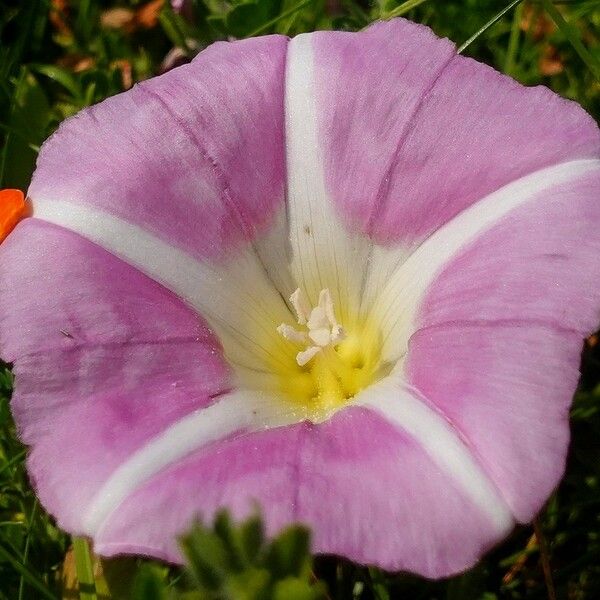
(346, 276)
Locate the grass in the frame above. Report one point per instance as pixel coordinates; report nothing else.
(57, 56)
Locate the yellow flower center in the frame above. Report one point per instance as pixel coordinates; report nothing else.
(331, 364)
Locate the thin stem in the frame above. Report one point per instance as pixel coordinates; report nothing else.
(26, 550)
(545, 557)
(85, 569)
(402, 9)
(283, 15)
(493, 20)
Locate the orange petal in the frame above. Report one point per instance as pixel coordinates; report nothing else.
(12, 210)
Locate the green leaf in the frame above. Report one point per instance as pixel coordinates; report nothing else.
(402, 9)
(297, 589)
(252, 538)
(174, 27)
(232, 561)
(207, 557)
(242, 20)
(230, 539)
(251, 584)
(289, 552)
(27, 127)
(149, 584)
(468, 586)
(62, 76)
(284, 15)
(28, 575)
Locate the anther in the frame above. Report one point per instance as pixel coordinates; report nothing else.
(322, 328)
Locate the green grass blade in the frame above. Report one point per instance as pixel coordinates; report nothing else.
(27, 544)
(27, 574)
(572, 34)
(85, 569)
(286, 13)
(491, 22)
(403, 8)
(513, 41)
(13, 461)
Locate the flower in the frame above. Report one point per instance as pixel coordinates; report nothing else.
(346, 276)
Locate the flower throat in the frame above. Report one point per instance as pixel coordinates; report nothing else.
(331, 364)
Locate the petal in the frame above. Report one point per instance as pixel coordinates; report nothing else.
(375, 502)
(236, 413)
(183, 178)
(506, 231)
(369, 88)
(501, 326)
(194, 156)
(235, 296)
(425, 133)
(373, 493)
(235, 473)
(537, 263)
(105, 358)
(506, 387)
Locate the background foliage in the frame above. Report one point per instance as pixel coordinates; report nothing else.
(57, 56)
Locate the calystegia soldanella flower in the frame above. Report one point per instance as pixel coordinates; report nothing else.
(344, 276)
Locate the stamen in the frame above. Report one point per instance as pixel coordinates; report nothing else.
(323, 329)
(331, 365)
(291, 334)
(326, 303)
(301, 306)
(307, 355)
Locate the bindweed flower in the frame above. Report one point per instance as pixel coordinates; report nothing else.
(344, 276)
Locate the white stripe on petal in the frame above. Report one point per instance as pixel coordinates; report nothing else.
(402, 407)
(239, 411)
(272, 249)
(235, 297)
(324, 254)
(395, 309)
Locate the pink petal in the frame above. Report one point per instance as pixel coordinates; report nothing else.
(424, 133)
(234, 473)
(501, 329)
(538, 263)
(506, 387)
(377, 503)
(105, 359)
(386, 502)
(194, 156)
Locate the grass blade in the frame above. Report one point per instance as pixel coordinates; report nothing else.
(283, 15)
(27, 544)
(27, 575)
(572, 34)
(403, 8)
(513, 42)
(491, 22)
